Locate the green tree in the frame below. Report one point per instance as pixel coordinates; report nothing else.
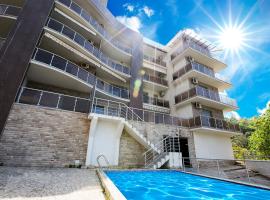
(259, 141)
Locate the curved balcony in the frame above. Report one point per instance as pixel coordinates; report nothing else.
(59, 63)
(190, 48)
(153, 60)
(90, 20)
(206, 97)
(86, 45)
(53, 100)
(203, 73)
(9, 11)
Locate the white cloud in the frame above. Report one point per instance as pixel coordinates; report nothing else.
(148, 11)
(262, 110)
(129, 7)
(132, 22)
(232, 114)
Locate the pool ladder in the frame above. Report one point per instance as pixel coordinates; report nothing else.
(106, 160)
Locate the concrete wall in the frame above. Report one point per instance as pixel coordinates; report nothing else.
(104, 140)
(36, 136)
(213, 146)
(130, 152)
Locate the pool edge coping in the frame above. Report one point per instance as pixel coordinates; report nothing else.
(110, 189)
(207, 176)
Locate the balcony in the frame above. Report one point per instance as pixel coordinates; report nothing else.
(206, 97)
(154, 60)
(98, 28)
(156, 101)
(203, 73)
(150, 82)
(9, 11)
(61, 64)
(201, 124)
(204, 124)
(53, 100)
(87, 46)
(199, 53)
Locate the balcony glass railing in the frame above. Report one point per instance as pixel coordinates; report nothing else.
(9, 10)
(211, 122)
(200, 68)
(188, 43)
(53, 100)
(79, 39)
(155, 79)
(199, 121)
(87, 17)
(153, 60)
(62, 64)
(210, 94)
(156, 101)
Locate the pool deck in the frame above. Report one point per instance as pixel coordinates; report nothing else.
(26, 183)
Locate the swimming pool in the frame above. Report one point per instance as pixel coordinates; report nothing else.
(170, 185)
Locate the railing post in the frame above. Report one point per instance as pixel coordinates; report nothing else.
(218, 167)
(75, 104)
(247, 170)
(20, 94)
(57, 106)
(40, 98)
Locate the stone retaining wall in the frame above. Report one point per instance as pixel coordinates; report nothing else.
(36, 136)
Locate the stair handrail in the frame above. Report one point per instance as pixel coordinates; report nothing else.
(104, 157)
(153, 154)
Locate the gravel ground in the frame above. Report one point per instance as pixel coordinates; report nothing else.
(49, 183)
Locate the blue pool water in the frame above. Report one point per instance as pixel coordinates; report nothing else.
(164, 185)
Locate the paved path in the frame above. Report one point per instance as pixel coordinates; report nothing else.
(49, 183)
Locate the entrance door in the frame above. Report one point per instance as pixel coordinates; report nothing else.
(184, 150)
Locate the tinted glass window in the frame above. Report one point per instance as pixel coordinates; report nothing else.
(55, 25)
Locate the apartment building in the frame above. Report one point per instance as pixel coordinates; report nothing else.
(77, 85)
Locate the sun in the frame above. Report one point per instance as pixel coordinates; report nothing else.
(231, 38)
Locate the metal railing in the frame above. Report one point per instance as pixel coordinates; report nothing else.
(88, 18)
(207, 93)
(189, 43)
(79, 39)
(104, 158)
(56, 61)
(114, 108)
(2, 41)
(200, 68)
(240, 170)
(155, 60)
(9, 10)
(156, 101)
(152, 156)
(211, 122)
(155, 79)
(53, 100)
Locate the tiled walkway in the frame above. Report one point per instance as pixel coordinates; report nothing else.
(48, 184)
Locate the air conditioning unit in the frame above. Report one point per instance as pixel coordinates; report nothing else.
(194, 81)
(85, 65)
(162, 94)
(198, 105)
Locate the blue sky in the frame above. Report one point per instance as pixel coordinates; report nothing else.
(248, 68)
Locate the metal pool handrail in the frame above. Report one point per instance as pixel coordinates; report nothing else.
(104, 157)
